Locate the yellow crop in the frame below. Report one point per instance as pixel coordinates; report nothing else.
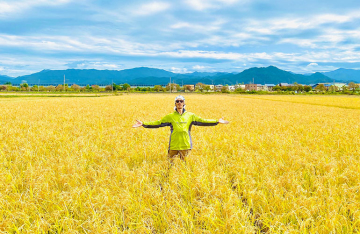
(284, 164)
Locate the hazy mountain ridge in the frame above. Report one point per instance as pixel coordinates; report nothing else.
(344, 74)
(152, 76)
(4, 78)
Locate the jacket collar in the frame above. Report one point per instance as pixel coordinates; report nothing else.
(179, 113)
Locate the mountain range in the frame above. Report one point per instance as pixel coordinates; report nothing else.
(153, 76)
(344, 75)
(4, 79)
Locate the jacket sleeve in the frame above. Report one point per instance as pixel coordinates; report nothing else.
(157, 124)
(204, 122)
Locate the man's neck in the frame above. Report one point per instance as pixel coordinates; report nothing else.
(180, 110)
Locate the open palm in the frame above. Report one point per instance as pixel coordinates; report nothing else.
(222, 121)
(138, 124)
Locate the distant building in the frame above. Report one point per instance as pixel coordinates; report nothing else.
(327, 85)
(270, 87)
(251, 87)
(218, 87)
(261, 87)
(241, 86)
(339, 85)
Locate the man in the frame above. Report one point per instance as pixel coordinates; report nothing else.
(180, 123)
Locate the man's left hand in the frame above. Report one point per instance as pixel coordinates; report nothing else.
(222, 121)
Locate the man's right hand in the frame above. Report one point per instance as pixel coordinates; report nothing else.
(138, 124)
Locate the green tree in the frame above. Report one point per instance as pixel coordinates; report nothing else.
(10, 88)
(76, 87)
(200, 87)
(13, 88)
(333, 89)
(289, 88)
(108, 88)
(126, 87)
(307, 88)
(207, 88)
(297, 87)
(51, 88)
(34, 88)
(320, 87)
(96, 88)
(352, 86)
(344, 89)
(59, 87)
(300, 88)
(8, 83)
(239, 90)
(158, 88)
(24, 87)
(277, 88)
(116, 87)
(225, 89)
(174, 87)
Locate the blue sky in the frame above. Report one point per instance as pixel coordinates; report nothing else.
(179, 36)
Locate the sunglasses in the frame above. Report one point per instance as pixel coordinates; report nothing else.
(177, 101)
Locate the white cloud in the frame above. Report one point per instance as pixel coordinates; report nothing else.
(17, 65)
(310, 43)
(201, 5)
(312, 65)
(198, 67)
(54, 44)
(98, 66)
(181, 25)
(198, 4)
(210, 27)
(333, 18)
(315, 67)
(10, 7)
(275, 26)
(6, 7)
(202, 54)
(329, 39)
(179, 70)
(152, 8)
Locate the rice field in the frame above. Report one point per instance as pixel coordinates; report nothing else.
(284, 164)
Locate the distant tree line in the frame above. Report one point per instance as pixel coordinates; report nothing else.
(351, 88)
(65, 88)
(88, 88)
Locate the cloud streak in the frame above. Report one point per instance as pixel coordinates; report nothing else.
(152, 8)
(12, 7)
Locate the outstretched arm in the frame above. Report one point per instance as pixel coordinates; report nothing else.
(208, 122)
(155, 124)
(204, 122)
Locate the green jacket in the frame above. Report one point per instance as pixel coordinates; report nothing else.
(180, 127)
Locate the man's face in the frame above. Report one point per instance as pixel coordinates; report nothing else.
(179, 104)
